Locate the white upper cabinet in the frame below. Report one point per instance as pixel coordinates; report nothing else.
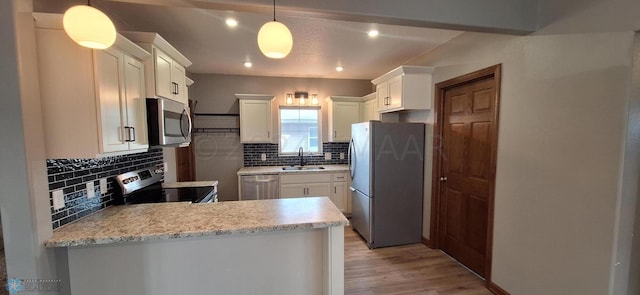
(179, 77)
(404, 88)
(93, 101)
(370, 108)
(255, 118)
(166, 74)
(343, 111)
(163, 67)
(135, 100)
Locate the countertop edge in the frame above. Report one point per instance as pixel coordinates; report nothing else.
(256, 170)
(197, 234)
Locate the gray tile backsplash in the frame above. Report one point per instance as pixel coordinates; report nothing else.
(253, 153)
(72, 176)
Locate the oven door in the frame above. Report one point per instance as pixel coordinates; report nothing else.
(169, 122)
(202, 194)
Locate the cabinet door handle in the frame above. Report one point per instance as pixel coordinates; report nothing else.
(133, 132)
(268, 134)
(175, 88)
(335, 133)
(335, 190)
(127, 130)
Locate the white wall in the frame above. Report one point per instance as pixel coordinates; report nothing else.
(630, 190)
(24, 200)
(218, 157)
(562, 125)
(171, 166)
(634, 272)
(216, 93)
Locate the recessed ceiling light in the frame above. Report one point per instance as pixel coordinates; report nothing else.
(373, 33)
(232, 23)
(248, 64)
(339, 68)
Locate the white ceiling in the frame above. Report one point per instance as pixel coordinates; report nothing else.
(319, 45)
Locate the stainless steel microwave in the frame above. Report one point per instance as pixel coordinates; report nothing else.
(169, 123)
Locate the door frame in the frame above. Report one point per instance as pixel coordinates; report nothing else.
(438, 128)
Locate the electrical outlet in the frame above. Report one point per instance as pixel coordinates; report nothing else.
(263, 157)
(103, 186)
(327, 156)
(91, 190)
(341, 156)
(165, 167)
(58, 199)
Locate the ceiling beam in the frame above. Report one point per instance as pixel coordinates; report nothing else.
(517, 17)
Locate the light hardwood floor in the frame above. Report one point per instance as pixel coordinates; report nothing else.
(410, 269)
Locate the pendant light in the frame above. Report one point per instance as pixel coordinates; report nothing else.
(89, 27)
(274, 38)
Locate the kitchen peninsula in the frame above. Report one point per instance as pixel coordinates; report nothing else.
(282, 246)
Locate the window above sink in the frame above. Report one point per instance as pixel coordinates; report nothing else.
(300, 127)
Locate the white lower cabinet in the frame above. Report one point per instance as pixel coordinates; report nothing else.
(293, 190)
(335, 186)
(339, 196)
(299, 185)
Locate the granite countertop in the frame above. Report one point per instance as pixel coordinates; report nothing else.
(278, 169)
(162, 221)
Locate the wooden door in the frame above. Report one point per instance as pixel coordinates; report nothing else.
(467, 170)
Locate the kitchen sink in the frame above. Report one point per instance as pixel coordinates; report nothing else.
(287, 168)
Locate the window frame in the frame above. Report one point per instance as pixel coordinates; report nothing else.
(320, 141)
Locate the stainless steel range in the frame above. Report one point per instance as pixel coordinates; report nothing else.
(145, 186)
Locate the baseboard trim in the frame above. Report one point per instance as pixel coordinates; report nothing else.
(495, 289)
(428, 243)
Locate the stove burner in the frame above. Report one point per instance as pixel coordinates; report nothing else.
(145, 186)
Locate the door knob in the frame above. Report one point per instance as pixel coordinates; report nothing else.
(443, 178)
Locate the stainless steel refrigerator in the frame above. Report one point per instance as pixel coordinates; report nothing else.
(386, 162)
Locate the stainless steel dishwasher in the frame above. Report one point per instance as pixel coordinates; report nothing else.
(259, 187)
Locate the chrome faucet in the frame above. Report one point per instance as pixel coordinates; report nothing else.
(301, 155)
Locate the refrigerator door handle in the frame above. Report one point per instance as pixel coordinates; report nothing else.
(351, 158)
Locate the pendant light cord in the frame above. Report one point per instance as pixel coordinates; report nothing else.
(274, 10)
